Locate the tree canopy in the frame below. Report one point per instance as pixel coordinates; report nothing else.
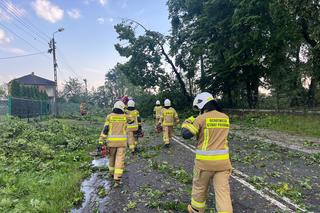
(232, 48)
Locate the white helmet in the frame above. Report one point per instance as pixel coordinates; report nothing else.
(201, 99)
(131, 103)
(119, 105)
(157, 102)
(167, 103)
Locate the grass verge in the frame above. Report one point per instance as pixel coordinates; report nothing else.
(43, 164)
(298, 124)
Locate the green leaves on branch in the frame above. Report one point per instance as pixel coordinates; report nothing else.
(144, 67)
(231, 48)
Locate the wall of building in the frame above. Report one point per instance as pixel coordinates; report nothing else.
(50, 91)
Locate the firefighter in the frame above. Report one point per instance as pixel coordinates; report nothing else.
(156, 112)
(83, 109)
(115, 133)
(135, 127)
(212, 161)
(168, 117)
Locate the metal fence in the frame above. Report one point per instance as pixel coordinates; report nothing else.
(68, 109)
(28, 108)
(73, 109)
(3, 108)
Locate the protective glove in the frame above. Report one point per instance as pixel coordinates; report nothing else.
(105, 151)
(98, 149)
(159, 128)
(101, 141)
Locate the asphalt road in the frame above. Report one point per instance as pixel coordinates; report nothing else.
(158, 179)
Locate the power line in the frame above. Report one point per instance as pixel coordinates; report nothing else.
(29, 33)
(11, 11)
(22, 56)
(62, 74)
(27, 42)
(17, 14)
(67, 64)
(31, 45)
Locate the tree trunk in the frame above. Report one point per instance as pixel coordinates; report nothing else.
(312, 92)
(190, 86)
(202, 77)
(168, 59)
(249, 94)
(277, 99)
(255, 91)
(230, 101)
(313, 43)
(295, 84)
(179, 78)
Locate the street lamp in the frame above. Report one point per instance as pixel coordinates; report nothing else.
(55, 65)
(58, 31)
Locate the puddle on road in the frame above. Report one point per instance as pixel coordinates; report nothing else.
(90, 187)
(99, 162)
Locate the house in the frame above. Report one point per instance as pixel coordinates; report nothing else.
(40, 83)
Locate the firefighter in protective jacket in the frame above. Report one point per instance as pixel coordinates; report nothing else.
(135, 128)
(168, 117)
(157, 111)
(115, 134)
(212, 163)
(83, 108)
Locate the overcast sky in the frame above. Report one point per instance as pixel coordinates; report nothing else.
(85, 48)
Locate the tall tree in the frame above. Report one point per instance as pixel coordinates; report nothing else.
(14, 89)
(234, 47)
(73, 90)
(306, 13)
(146, 54)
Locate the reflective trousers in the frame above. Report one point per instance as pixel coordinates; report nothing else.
(132, 140)
(116, 161)
(220, 181)
(167, 134)
(156, 120)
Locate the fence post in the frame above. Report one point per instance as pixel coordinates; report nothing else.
(9, 105)
(40, 109)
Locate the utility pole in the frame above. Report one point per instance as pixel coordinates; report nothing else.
(52, 49)
(86, 86)
(55, 66)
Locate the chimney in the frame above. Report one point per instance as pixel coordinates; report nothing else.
(32, 73)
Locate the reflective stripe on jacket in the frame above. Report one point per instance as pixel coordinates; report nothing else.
(211, 130)
(157, 111)
(117, 130)
(134, 114)
(168, 117)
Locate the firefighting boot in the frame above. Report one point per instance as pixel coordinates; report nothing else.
(117, 182)
(133, 149)
(192, 210)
